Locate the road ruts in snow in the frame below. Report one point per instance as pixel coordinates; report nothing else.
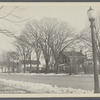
(4, 89)
(37, 88)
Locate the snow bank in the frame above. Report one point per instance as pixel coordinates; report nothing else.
(49, 74)
(28, 73)
(42, 74)
(38, 88)
(52, 74)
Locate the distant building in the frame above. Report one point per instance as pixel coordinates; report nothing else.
(9, 66)
(90, 61)
(30, 65)
(71, 59)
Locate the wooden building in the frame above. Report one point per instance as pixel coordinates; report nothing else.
(71, 60)
(30, 65)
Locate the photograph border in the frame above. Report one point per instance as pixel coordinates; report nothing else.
(51, 96)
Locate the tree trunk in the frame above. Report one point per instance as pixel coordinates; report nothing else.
(47, 65)
(30, 65)
(24, 66)
(84, 68)
(99, 65)
(8, 68)
(56, 66)
(70, 71)
(37, 68)
(2, 68)
(14, 69)
(17, 67)
(37, 65)
(24, 61)
(5, 69)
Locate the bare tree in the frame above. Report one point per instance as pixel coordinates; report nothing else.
(46, 28)
(14, 58)
(60, 37)
(55, 36)
(11, 17)
(5, 58)
(85, 37)
(31, 34)
(23, 49)
(52, 36)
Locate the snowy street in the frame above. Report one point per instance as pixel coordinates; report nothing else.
(10, 90)
(60, 82)
(22, 87)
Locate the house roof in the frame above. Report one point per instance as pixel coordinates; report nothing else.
(28, 62)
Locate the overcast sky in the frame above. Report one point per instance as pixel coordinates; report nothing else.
(73, 13)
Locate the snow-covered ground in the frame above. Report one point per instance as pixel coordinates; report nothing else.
(39, 88)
